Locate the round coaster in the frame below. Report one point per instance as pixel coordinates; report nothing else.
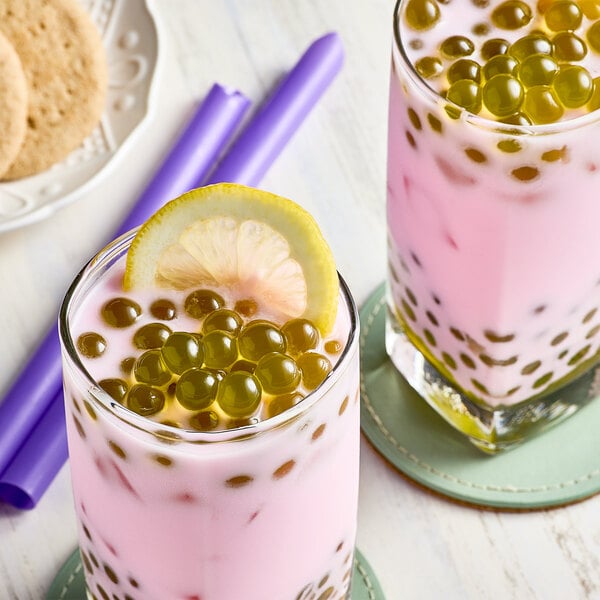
(364, 583)
(559, 467)
(69, 583)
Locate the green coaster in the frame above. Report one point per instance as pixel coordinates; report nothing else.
(69, 583)
(559, 467)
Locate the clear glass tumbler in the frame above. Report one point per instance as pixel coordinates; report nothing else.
(494, 260)
(267, 510)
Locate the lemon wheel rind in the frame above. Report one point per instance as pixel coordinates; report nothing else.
(243, 203)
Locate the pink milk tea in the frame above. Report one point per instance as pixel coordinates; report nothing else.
(494, 261)
(263, 509)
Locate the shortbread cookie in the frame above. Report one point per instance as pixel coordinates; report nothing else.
(13, 104)
(64, 62)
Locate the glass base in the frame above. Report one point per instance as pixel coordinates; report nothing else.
(69, 583)
(347, 595)
(491, 429)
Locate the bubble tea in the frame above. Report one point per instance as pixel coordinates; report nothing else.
(213, 446)
(493, 183)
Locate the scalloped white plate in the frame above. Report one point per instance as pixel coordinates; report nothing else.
(131, 40)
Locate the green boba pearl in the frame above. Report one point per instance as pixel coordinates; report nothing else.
(200, 303)
(537, 70)
(163, 309)
(568, 47)
(206, 420)
(315, 367)
(457, 46)
(150, 368)
(246, 307)
(543, 5)
(278, 373)
(196, 389)
(500, 65)
(91, 344)
(464, 69)
(509, 146)
(152, 335)
(239, 394)
(555, 154)
(512, 14)
(182, 351)
(593, 37)
(480, 29)
(301, 335)
(590, 8)
(573, 86)
(239, 422)
(145, 400)
(518, 118)
(242, 365)
(121, 312)
(494, 47)
(453, 111)
(223, 320)
(258, 338)
(434, 123)
(115, 388)
(563, 16)
(503, 95)
(429, 67)
(127, 365)
(282, 403)
(594, 101)
(541, 106)
(465, 93)
(478, 157)
(414, 119)
(220, 349)
(533, 43)
(422, 14)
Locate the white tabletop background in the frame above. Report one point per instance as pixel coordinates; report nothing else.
(420, 545)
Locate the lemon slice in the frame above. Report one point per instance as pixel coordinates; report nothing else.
(258, 245)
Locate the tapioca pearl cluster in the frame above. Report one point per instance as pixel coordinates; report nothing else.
(420, 122)
(522, 162)
(233, 371)
(534, 79)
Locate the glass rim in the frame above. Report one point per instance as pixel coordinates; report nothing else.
(482, 122)
(106, 257)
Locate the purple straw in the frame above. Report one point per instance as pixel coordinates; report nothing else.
(247, 161)
(196, 152)
(262, 141)
(37, 387)
(38, 460)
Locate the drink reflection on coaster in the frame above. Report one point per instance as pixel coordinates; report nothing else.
(493, 175)
(214, 429)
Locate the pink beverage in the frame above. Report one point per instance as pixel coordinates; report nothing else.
(194, 504)
(493, 183)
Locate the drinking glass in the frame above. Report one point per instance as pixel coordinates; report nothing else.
(266, 510)
(494, 261)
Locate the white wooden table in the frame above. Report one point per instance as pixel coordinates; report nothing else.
(419, 544)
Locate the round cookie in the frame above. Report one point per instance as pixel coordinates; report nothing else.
(13, 104)
(64, 63)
